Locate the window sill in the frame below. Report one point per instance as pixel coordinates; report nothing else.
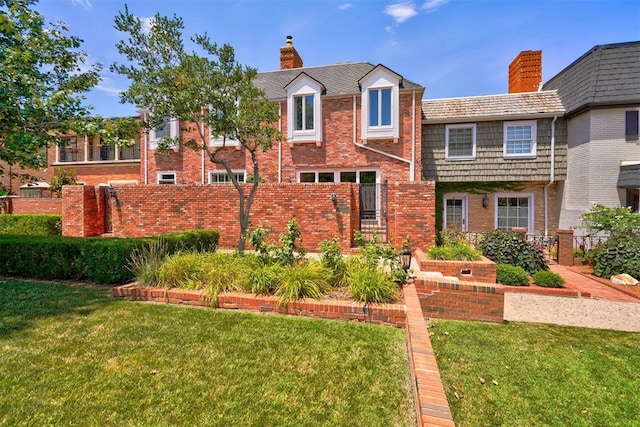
(460, 159)
(296, 141)
(520, 157)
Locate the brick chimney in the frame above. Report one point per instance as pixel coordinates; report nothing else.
(289, 57)
(525, 72)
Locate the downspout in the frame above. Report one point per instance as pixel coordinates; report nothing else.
(146, 151)
(412, 172)
(203, 142)
(375, 150)
(280, 143)
(552, 175)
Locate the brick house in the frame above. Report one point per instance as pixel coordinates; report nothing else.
(601, 93)
(498, 160)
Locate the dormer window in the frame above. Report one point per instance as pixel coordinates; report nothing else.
(304, 110)
(380, 104)
(169, 128)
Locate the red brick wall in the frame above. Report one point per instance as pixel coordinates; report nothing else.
(103, 173)
(450, 299)
(337, 151)
(158, 209)
(478, 271)
(21, 205)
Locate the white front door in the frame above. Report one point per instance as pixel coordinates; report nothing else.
(455, 211)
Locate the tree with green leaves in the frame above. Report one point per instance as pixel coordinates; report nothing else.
(611, 220)
(206, 90)
(42, 81)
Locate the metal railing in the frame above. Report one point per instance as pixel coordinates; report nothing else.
(100, 153)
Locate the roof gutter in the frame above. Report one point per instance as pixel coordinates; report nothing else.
(552, 176)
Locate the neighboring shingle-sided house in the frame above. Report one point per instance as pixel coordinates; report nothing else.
(601, 93)
(497, 160)
(347, 122)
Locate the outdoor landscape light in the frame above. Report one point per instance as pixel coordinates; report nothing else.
(485, 201)
(405, 258)
(334, 200)
(111, 192)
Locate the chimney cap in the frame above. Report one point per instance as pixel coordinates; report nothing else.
(289, 41)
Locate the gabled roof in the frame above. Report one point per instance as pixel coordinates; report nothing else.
(338, 79)
(492, 107)
(605, 75)
(307, 76)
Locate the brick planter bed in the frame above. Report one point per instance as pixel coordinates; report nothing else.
(474, 271)
(381, 314)
(541, 290)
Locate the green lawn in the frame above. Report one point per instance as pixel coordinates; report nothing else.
(72, 355)
(546, 375)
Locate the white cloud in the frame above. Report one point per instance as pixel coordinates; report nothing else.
(432, 5)
(84, 3)
(402, 11)
(345, 6)
(388, 29)
(146, 24)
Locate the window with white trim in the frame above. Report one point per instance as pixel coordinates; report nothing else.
(304, 110)
(380, 104)
(166, 177)
(357, 176)
(460, 142)
(514, 210)
(220, 141)
(168, 128)
(222, 177)
(520, 139)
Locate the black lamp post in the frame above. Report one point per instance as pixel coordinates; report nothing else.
(405, 258)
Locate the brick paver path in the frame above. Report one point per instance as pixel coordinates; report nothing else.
(583, 284)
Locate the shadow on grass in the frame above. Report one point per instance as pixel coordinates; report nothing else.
(23, 302)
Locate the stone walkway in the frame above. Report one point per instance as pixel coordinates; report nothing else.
(585, 284)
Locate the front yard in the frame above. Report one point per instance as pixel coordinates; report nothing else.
(72, 355)
(544, 375)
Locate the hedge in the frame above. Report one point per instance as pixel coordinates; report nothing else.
(94, 259)
(31, 224)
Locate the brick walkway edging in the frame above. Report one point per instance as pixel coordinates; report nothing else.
(432, 408)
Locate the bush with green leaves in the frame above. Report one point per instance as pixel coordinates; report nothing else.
(95, 259)
(511, 275)
(367, 283)
(308, 279)
(548, 279)
(619, 254)
(506, 247)
(31, 224)
(454, 252)
(288, 252)
(611, 220)
(382, 256)
(331, 257)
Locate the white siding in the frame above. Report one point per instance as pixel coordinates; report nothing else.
(596, 147)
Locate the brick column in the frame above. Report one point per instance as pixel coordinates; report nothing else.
(522, 232)
(565, 247)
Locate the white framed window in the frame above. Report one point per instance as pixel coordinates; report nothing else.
(166, 177)
(304, 110)
(380, 104)
(221, 177)
(219, 141)
(360, 176)
(168, 128)
(460, 142)
(514, 210)
(455, 211)
(520, 139)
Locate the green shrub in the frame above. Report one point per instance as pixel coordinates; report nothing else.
(263, 279)
(450, 236)
(287, 252)
(145, 261)
(511, 275)
(331, 257)
(381, 256)
(368, 284)
(619, 254)
(455, 252)
(548, 279)
(506, 247)
(306, 280)
(31, 225)
(95, 259)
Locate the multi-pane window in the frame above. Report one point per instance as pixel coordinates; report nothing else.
(460, 142)
(362, 177)
(68, 150)
(380, 107)
(224, 178)
(514, 212)
(520, 139)
(454, 213)
(168, 128)
(166, 177)
(303, 111)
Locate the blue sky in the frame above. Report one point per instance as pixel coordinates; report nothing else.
(452, 47)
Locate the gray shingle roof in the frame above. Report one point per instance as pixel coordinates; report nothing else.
(338, 79)
(606, 74)
(492, 107)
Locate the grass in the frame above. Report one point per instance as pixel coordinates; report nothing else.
(72, 355)
(546, 375)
